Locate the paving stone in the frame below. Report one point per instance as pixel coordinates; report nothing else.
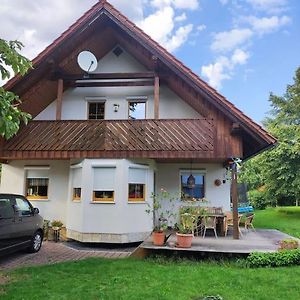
(52, 252)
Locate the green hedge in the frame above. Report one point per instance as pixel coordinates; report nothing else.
(274, 259)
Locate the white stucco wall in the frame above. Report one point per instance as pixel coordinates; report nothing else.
(121, 216)
(168, 178)
(75, 107)
(13, 181)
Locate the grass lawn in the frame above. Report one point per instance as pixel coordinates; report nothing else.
(285, 219)
(149, 279)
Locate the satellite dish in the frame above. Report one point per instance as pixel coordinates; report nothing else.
(87, 61)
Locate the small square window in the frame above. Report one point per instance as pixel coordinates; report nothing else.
(37, 188)
(96, 110)
(104, 196)
(137, 110)
(136, 192)
(77, 194)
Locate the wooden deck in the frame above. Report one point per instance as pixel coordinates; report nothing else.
(261, 240)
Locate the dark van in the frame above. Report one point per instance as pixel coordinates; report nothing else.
(21, 226)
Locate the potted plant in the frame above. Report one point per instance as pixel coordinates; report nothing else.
(162, 210)
(56, 227)
(185, 230)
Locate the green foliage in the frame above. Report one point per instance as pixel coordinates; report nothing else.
(187, 223)
(163, 209)
(57, 223)
(10, 115)
(274, 259)
(278, 169)
(258, 199)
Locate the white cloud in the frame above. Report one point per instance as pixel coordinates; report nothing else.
(239, 57)
(161, 27)
(179, 38)
(180, 18)
(229, 40)
(201, 27)
(266, 24)
(223, 2)
(224, 67)
(180, 4)
(269, 6)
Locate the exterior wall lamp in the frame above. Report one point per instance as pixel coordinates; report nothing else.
(116, 107)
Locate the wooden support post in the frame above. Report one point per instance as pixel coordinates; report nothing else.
(156, 97)
(60, 90)
(234, 197)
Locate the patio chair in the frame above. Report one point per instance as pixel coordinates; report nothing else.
(228, 222)
(210, 222)
(249, 222)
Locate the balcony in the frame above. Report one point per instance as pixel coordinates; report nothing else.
(180, 138)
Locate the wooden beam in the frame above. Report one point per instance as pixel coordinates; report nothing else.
(111, 83)
(234, 197)
(136, 75)
(156, 97)
(60, 90)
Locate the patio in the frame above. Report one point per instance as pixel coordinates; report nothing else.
(261, 240)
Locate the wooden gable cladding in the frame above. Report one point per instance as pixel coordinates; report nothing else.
(99, 30)
(124, 139)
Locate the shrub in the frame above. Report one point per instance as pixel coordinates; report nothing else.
(258, 199)
(274, 259)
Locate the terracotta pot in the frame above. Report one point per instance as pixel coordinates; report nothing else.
(184, 240)
(158, 238)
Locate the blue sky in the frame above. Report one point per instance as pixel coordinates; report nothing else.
(244, 48)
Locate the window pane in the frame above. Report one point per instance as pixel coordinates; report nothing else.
(6, 209)
(137, 110)
(136, 192)
(197, 192)
(103, 196)
(37, 188)
(76, 193)
(96, 110)
(23, 207)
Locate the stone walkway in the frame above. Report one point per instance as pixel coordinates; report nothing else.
(51, 253)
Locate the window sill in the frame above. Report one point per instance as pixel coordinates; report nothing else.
(102, 202)
(38, 200)
(137, 202)
(76, 201)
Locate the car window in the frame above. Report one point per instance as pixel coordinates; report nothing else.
(6, 209)
(23, 207)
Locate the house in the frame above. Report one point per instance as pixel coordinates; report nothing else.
(101, 143)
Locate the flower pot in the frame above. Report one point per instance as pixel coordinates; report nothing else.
(158, 238)
(184, 240)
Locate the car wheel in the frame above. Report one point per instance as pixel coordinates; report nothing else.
(36, 242)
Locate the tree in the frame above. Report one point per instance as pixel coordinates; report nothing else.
(278, 169)
(10, 114)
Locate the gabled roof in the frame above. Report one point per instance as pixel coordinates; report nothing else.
(211, 95)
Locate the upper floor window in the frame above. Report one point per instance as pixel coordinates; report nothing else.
(136, 110)
(96, 110)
